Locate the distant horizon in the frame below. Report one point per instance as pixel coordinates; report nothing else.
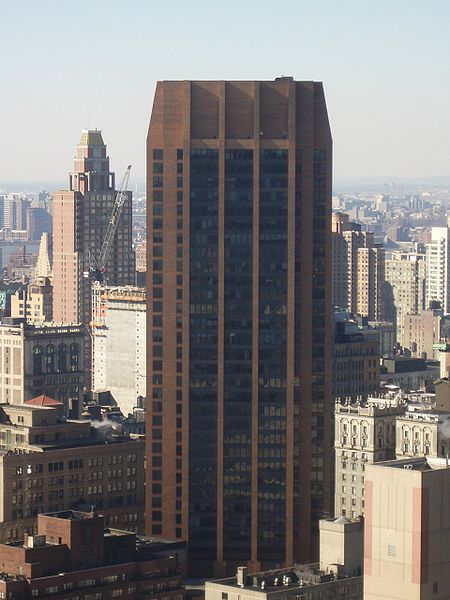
(52, 186)
(97, 64)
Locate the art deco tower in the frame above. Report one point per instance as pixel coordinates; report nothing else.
(239, 260)
(80, 218)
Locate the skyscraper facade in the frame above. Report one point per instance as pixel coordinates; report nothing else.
(239, 345)
(80, 219)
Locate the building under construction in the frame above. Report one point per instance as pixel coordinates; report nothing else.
(118, 339)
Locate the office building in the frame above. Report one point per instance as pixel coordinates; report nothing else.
(119, 344)
(42, 359)
(356, 359)
(80, 218)
(407, 530)
(405, 288)
(73, 556)
(358, 269)
(239, 320)
(48, 463)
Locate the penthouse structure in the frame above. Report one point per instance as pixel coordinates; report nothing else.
(239, 322)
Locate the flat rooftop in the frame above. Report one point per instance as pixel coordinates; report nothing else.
(71, 515)
(422, 463)
(284, 581)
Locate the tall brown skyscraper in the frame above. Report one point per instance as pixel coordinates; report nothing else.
(80, 219)
(239, 260)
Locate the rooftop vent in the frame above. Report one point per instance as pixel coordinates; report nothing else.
(34, 541)
(241, 576)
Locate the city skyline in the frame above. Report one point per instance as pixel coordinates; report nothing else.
(378, 68)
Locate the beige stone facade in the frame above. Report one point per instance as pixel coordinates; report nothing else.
(34, 303)
(364, 434)
(421, 332)
(407, 530)
(422, 432)
(341, 546)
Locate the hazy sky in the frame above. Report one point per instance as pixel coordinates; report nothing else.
(67, 64)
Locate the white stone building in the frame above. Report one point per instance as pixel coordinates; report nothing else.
(119, 344)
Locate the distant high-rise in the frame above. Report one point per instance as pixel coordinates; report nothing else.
(405, 285)
(437, 283)
(358, 270)
(239, 344)
(80, 219)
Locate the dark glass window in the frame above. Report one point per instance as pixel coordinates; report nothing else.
(203, 193)
(158, 154)
(238, 312)
(74, 357)
(273, 258)
(50, 359)
(62, 358)
(37, 360)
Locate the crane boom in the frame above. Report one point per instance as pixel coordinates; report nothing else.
(98, 266)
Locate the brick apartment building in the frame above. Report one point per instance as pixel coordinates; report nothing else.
(50, 464)
(73, 557)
